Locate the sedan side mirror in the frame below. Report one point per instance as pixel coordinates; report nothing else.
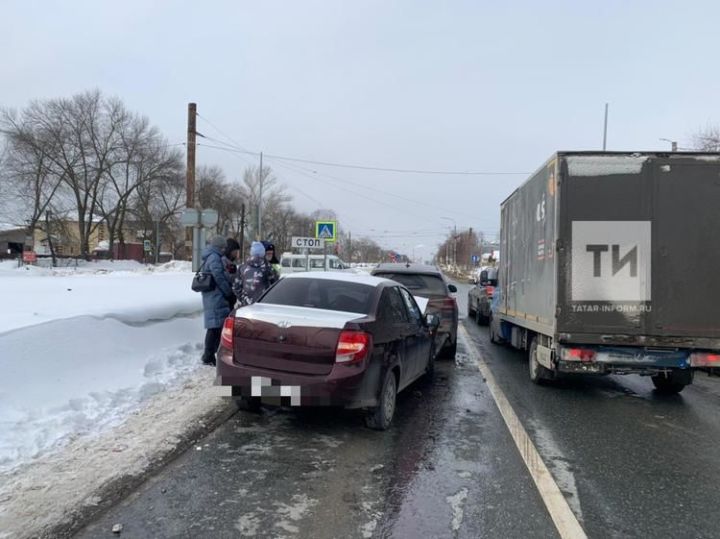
(432, 321)
(452, 288)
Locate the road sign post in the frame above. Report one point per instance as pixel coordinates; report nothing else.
(326, 230)
(299, 242)
(199, 219)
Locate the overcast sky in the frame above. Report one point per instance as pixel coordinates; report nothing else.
(464, 86)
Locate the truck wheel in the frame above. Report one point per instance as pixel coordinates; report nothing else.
(538, 374)
(380, 417)
(674, 382)
(493, 336)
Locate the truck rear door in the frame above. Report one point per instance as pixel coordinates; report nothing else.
(686, 248)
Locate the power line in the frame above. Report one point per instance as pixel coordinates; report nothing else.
(239, 148)
(222, 133)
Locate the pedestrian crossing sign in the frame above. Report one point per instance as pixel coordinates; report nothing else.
(326, 230)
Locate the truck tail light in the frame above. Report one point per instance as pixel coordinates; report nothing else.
(705, 359)
(352, 346)
(228, 331)
(578, 354)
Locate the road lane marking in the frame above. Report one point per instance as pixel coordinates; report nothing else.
(562, 516)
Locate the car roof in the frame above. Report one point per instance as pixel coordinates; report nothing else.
(341, 276)
(404, 267)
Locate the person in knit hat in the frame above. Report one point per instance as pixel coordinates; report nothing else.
(216, 302)
(255, 276)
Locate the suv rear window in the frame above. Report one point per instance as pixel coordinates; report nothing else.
(418, 283)
(321, 294)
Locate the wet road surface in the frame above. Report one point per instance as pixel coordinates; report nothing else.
(629, 463)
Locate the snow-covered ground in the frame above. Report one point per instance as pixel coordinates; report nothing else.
(81, 348)
(99, 374)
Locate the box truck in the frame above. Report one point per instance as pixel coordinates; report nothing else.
(610, 264)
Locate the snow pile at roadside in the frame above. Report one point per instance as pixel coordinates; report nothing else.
(79, 353)
(29, 299)
(74, 267)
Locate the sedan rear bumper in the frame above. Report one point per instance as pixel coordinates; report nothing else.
(349, 386)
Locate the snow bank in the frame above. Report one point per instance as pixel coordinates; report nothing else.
(80, 351)
(605, 165)
(31, 298)
(81, 376)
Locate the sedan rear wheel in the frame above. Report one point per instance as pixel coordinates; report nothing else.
(380, 417)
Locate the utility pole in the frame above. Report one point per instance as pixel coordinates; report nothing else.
(605, 128)
(190, 174)
(242, 232)
(258, 229)
(157, 241)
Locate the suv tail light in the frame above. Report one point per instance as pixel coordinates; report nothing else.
(228, 331)
(447, 310)
(578, 354)
(352, 346)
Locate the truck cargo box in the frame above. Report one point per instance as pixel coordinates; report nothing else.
(615, 249)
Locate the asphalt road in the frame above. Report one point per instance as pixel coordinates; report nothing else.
(629, 463)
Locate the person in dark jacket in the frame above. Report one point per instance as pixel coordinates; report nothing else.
(254, 277)
(271, 258)
(216, 302)
(230, 261)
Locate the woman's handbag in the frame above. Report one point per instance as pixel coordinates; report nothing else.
(203, 281)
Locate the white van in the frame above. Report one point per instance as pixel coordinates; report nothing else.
(290, 263)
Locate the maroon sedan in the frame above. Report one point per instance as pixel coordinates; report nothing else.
(328, 339)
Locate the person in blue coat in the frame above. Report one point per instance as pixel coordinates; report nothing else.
(216, 302)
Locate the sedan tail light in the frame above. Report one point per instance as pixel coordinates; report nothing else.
(352, 346)
(228, 331)
(489, 290)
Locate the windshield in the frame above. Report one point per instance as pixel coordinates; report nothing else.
(419, 284)
(321, 294)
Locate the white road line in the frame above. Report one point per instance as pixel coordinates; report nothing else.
(565, 521)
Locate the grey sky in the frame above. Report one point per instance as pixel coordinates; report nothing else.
(415, 84)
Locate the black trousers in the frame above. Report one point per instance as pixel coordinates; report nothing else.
(212, 343)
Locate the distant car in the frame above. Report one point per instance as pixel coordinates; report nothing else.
(290, 263)
(480, 296)
(428, 281)
(328, 339)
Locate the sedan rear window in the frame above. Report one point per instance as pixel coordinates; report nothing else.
(419, 284)
(321, 294)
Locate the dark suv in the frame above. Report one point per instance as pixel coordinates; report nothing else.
(428, 282)
(480, 296)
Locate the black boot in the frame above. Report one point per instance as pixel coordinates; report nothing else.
(208, 359)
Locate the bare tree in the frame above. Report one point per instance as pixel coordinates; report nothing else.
(262, 192)
(29, 179)
(707, 139)
(75, 139)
